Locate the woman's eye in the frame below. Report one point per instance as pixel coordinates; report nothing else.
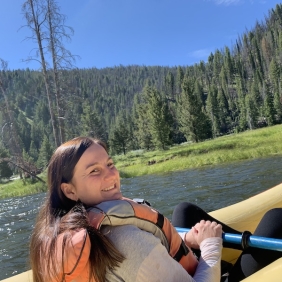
(94, 170)
(111, 164)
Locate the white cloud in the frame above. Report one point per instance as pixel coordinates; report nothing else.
(200, 54)
(227, 2)
(235, 2)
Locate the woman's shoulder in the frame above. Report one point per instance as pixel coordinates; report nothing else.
(74, 240)
(76, 252)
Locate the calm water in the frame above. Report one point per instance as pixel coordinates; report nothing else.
(210, 187)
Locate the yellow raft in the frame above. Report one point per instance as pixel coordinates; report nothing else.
(242, 216)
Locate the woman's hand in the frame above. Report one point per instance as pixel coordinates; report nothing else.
(190, 241)
(205, 229)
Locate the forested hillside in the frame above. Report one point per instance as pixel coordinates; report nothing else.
(142, 107)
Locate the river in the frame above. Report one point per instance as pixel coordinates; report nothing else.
(211, 187)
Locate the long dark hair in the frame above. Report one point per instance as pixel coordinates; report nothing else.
(61, 215)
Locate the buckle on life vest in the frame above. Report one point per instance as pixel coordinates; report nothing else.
(141, 201)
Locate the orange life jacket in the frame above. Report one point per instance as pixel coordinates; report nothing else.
(73, 263)
(127, 211)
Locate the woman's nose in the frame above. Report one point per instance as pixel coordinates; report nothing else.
(110, 173)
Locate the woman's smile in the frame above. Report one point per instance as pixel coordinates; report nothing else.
(109, 188)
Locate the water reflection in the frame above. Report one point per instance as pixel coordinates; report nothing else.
(17, 216)
(209, 187)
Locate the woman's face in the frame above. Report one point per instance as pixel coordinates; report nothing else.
(95, 178)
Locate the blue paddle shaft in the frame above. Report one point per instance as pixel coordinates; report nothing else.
(253, 241)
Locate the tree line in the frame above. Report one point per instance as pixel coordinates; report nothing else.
(135, 107)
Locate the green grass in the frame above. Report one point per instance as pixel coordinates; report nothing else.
(18, 187)
(247, 145)
(253, 144)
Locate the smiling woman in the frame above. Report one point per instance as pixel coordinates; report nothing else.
(66, 246)
(63, 244)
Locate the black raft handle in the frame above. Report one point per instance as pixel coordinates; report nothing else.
(244, 241)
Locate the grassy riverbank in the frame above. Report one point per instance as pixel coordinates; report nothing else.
(18, 187)
(247, 145)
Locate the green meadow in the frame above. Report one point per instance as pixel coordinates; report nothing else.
(253, 144)
(19, 187)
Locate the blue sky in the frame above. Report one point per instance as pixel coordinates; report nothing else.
(109, 33)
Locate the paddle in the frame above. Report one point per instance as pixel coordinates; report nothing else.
(252, 241)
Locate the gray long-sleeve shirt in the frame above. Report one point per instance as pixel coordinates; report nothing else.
(147, 260)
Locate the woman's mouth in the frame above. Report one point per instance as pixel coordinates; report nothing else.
(109, 188)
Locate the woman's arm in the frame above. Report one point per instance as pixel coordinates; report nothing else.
(147, 260)
(209, 262)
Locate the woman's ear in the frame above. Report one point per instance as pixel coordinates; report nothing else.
(69, 191)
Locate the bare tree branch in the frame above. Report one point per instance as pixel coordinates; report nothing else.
(32, 173)
(35, 15)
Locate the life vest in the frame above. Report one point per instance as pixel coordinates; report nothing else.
(129, 212)
(72, 264)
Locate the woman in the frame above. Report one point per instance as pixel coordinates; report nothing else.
(65, 247)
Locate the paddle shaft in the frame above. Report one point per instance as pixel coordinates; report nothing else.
(252, 241)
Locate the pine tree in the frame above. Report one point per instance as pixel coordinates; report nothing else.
(193, 122)
(91, 124)
(217, 64)
(33, 152)
(228, 65)
(199, 91)
(252, 106)
(120, 136)
(179, 79)
(223, 112)
(274, 73)
(242, 123)
(28, 110)
(37, 134)
(269, 111)
(160, 119)
(169, 85)
(141, 121)
(45, 153)
(213, 110)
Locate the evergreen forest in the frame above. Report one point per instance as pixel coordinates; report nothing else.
(142, 107)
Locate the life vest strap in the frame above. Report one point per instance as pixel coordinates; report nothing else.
(182, 251)
(78, 259)
(160, 220)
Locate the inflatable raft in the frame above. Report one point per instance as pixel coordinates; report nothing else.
(242, 216)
